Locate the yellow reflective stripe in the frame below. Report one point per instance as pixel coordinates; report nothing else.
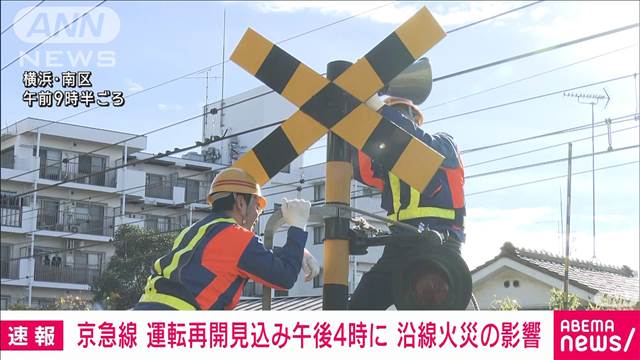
(395, 194)
(414, 201)
(178, 239)
(172, 301)
(408, 214)
(176, 243)
(176, 257)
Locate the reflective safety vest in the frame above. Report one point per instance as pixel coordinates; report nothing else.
(211, 261)
(440, 204)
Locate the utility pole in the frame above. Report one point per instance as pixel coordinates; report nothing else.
(335, 289)
(32, 256)
(592, 99)
(568, 234)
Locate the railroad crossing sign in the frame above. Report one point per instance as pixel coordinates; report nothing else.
(338, 106)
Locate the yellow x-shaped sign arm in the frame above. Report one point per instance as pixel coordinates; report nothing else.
(407, 157)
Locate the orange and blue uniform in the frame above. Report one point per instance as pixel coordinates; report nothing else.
(212, 260)
(440, 206)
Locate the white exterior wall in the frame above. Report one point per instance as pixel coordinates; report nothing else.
(71, 140)
(533, 292)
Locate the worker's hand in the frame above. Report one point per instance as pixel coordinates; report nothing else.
(375, 103)
(310, 266)
(296, 212)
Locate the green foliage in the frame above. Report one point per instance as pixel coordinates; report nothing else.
(67, 302)
(609, 302)
(506, 304)
(556, 302)
(121, 284)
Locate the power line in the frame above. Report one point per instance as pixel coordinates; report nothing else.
(536, 52)
(549, 162)
(207, 68)
(617, 120)
(494, 16)
(159, 129)
(21, 17)
(545, 148)
(197, 116)
(526, 99)
(527, 77)
(52, 35)
(159, 155)
(551, 178)
(378, 193)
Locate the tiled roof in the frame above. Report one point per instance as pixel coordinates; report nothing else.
(591, 276)
(309, 303)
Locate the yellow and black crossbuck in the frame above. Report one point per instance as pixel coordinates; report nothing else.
(338, 106)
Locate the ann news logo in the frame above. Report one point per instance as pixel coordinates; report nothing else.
(72, 25)
(596, 335)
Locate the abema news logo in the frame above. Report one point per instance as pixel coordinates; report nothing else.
(597, 335)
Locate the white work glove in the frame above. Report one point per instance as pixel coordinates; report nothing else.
(310, 266)
(296, 212)
(375, 103)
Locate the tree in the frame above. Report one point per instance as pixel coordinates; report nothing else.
(121, 284)
(556, 302)
(506, 304)
(610, 302)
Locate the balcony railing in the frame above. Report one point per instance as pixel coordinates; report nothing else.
(65, 274)
(11, 210)
(166, 224)
(197, 194)
(73, 222)
(11, 217)
(159, 189)
(10, 269)
(71, 171)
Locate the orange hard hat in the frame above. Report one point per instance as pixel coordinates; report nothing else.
(414, 112)
(235, 180)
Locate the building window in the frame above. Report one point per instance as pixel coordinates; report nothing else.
(11, 209)
(4, 302)
(318, 234)
(318, 192)
(50, 164)
(516, 283)
(159, 186)
(281, 293)
(506, 284)
(318, 281)
(8, 158)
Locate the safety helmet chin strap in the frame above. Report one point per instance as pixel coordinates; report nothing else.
(251, 202)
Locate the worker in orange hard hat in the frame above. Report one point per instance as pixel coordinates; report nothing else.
(213, 259)
(440, 207)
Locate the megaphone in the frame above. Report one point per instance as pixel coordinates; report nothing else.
(414, 83)
(434, 277)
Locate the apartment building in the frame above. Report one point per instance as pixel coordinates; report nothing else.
(71, 225)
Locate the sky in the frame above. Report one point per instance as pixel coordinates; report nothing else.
(143, 44)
